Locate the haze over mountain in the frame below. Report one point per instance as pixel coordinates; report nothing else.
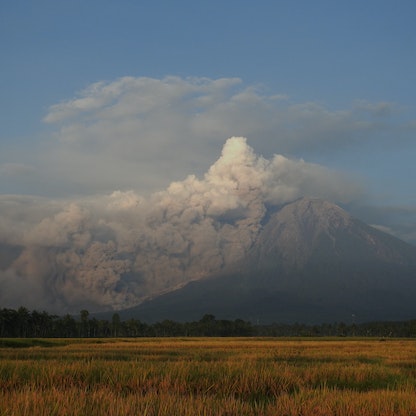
(115, 251)
(312, 262)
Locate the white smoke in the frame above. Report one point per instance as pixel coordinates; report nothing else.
(114, 251)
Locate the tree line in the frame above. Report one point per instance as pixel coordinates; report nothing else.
(23, 323)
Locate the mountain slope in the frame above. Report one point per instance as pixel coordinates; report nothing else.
(312, 262)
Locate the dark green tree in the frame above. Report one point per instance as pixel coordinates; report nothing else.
(116, 324)
(85, 330)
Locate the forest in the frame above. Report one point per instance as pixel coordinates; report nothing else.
(23, 323)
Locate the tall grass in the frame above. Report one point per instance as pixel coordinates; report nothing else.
(209, 377)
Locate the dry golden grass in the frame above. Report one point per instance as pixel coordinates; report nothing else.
(205, 376)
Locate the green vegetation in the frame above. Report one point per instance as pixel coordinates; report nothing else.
(207, 376)
(22, 323)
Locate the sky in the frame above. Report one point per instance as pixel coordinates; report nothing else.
(126, 102)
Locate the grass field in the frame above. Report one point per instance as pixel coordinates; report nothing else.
(205, 376)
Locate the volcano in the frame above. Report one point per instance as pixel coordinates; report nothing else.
(312, 262)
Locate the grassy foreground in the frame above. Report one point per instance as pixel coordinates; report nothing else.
(205, 376)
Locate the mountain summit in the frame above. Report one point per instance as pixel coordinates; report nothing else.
(312, 262)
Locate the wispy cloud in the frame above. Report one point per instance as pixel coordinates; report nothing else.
(140, 132)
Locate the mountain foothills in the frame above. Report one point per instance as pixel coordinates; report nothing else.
(312, 262)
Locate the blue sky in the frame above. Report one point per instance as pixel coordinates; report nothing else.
(99, 96)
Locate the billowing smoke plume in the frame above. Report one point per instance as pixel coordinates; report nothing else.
(111, 252)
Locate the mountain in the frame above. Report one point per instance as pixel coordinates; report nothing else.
(312, 262)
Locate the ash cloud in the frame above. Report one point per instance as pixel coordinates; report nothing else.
(113, 251)
(119, 128)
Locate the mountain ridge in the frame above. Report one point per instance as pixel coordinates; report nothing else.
(311, 262)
